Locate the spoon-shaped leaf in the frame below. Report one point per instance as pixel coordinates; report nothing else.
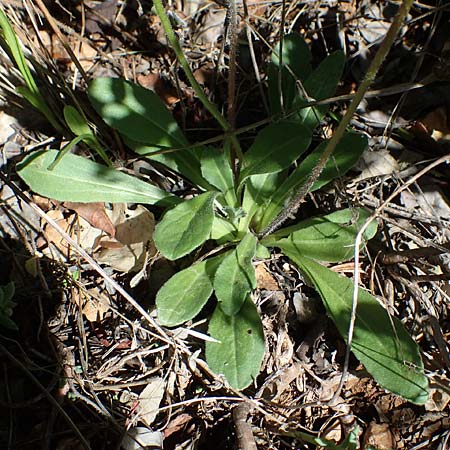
(186, 226)
(78, 179)
(235, 277)
(183, 296)
(275, 148)
(380, 342)
(326, 238)
(135, 112)
(239, 354)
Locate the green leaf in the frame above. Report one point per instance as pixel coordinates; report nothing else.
(185, 227)
(239, 354)
(135, 112)
(215, 166)
(78, 179)
(275, 148)
(75, 121)
(80, 128)
(380, 342)
(257, 194)
(327, 238)
(222, 230)
(296, 60)
(345, 156)
(235, 277)
(12, 46)
(321, 84)
(186, 161)
(183, 296)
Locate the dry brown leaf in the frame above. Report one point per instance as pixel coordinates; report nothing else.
(94, 308)
(264, 279)
(177, 424)
(134, 231)
(94, 213)
(379, 436)
(373, 164)
(154, 82)
(52, 236)
(150, 399)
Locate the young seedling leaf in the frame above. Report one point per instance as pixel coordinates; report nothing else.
(380, 342)
(239, 354)
(257, 194)
(345, 156)
(275, 148)
(235, 277)
(222, 230)
(183, 296)
(320, 85)
(327, 238)
(135, 112)
(296, 65)
(185, 227)
(216, 170)
(78, 179)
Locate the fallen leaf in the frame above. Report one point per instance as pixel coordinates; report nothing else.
(373, 164)
(95, 308)
(94, 213)
(154, 82)
(133, 239)
(177, 424)
(139, 438)
(379, 436)
(264, 279)
(150, 399)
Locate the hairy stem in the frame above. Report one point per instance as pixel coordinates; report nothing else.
(385, 46)
(165, 22)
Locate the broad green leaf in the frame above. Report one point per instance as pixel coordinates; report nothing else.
(239, 354)
(296, 55)
(327, 238)
(235, 277)
(344, 157)
(380, 342)
(186, 161)
(216, 170)
(321, 84)
(185, 227)
(135, 112)
(78, 179)
(296, 62)
(183, 296)
(275, 148)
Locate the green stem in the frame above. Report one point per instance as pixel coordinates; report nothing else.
(337, 135)
(165, 22)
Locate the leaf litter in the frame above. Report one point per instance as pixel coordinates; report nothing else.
(120, 354)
